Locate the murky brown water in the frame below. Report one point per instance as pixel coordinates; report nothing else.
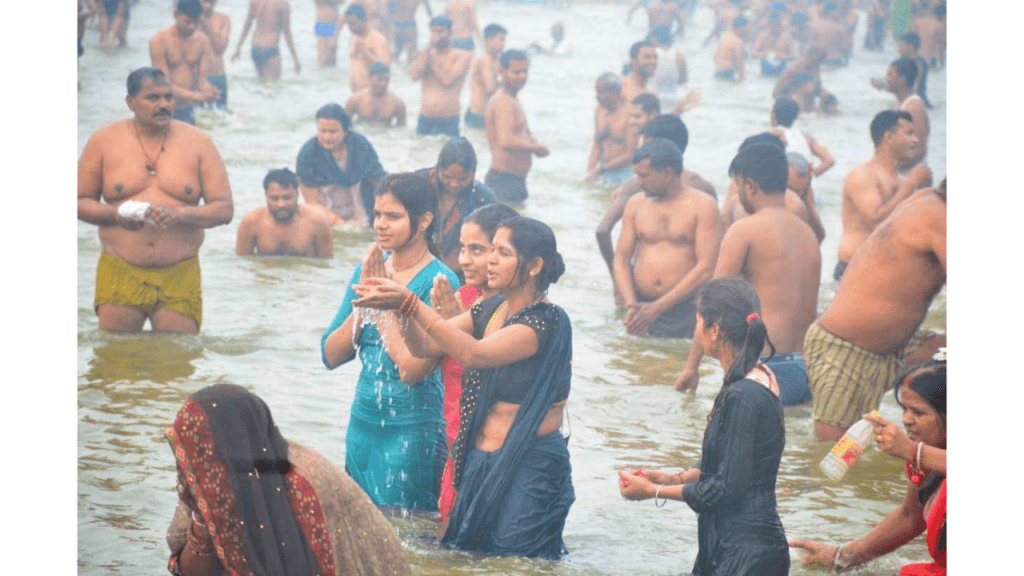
(263, 317)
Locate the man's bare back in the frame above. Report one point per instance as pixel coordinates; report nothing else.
(730, 54)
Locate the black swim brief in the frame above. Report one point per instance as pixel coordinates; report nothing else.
(506, 187)
(260, 56)
(429, 125)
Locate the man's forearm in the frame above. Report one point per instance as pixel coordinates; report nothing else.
(96, 212)
(208, 215)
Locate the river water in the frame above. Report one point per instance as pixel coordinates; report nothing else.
(263, 316)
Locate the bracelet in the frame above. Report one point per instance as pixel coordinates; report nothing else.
(408, 305)
(917, 458)
(837, 564)
(663, 500)
(200, 548)
(431, 325)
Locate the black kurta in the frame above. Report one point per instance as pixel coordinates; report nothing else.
(738, 527)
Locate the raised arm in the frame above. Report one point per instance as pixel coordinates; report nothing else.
(821, 153)
(419, 65)
(450, 75)
(219, 32)
(863, 192)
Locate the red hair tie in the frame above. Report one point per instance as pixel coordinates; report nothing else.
(753, 316)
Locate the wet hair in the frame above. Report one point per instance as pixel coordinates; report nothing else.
(886, 121)
(282, 176)
(493, 30)
(907, 68)
(739, 22)
(911, 39)
(728, 302)
(762, 138)
(490, 217)
(334, 111)
(662, 153)
(786, 111)
(940, 10)
(648, 103)
(535, 239)
(928, 380)
(512, 54)
(379, 68)
(356, 10)
(797, 160)
(662, 34)
(669, 127)
(609, 79)
(191, 8)
(139, 77)
(634, 50)
(459, 151)
(442, 21)
(417, 196)
(763, 163)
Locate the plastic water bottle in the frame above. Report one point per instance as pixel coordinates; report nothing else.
(858, 438)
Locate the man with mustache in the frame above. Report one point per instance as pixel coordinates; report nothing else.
(284, 227)
(152, 185)
(187, 58)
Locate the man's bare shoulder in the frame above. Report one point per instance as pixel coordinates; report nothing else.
(254, 216)
(194, 135)
(702, 201)
(113, 131)
(860, 177)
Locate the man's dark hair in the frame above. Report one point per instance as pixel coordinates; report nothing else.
(191, 8)
(662, 34)
(282, 176)
(494, 30)
(634, 50)
(648, 103)
(669, 127)
(356, 10)
(379, 68)
(443, 21)
(907, 68)
(786, 111)
(762, 138)
(661, 153)
(512, 54)
(912, 39)
(763, 163)
(886, 121)
(334, 112)
(940, 10)
(138, 77)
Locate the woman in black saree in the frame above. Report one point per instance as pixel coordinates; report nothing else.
(512, 466)
(732, 488)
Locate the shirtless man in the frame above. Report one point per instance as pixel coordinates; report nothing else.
(464, 27)
(611, 156)
(217, 27)
(150, 265)
(672, 128)
(113, 21)
(730, 54)
(778, 254)
(403, 22)
(512, 145)
(328, 26)
(873, 190)
(801, 81)
(783, 118)
(860, 342)
(733, 209)
(272, 17)
(828, 34)
(186, 58)
(284, 227)
(774, 47)
(374, 10)
(443, 70)
(483, 80)
(667, 248)
(899, 79)
(931, 28)
(907, 45)
(366, 46)
(643, 60)
(377, 104)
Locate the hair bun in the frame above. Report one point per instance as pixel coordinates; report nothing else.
(555, 268)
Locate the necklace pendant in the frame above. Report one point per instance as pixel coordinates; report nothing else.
(152, 169)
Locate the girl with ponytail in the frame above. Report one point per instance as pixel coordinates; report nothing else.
(511, 462)
(733, 484)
